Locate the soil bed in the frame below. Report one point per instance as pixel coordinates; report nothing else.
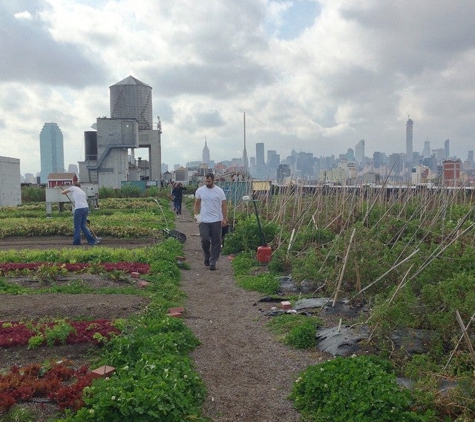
(35, 306)
(248, 373)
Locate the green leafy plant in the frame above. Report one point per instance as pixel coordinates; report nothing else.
(49, 273)
(164, 388)
(353, 389)
(55, 333)
(18, 414)
(58, 333)
(247, 237)
(263, 283)
(296, 330)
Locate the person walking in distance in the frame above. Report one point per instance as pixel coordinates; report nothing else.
(177, 196)
(210, 203)
(81, 211)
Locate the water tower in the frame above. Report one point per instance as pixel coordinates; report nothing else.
(131, 98)
(110, 159)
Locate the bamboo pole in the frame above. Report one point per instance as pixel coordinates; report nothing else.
(465, 334)
(460, 340)
(401, 284)
(365, 219)
(345, 260)
(435, 255)
(290, 241)
(386, 273)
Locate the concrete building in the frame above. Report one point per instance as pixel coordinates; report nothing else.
(109, 151)
(395, 164)
(30, 178)
(420, 174)
(10, 182)
(470, 158)
(439, 154)
(51, 150)
(451, 172)
(273, 162)
(379, 159)
(73, 168)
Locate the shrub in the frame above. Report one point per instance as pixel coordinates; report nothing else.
(164, 388)
(247, 236)
(33, 194)
(298, 331)
(264, 283)
(352, 389)
(303, 336)
(451, 295)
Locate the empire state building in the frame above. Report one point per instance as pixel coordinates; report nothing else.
(205, 156)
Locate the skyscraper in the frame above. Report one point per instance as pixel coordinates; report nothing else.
(409, 140)
(260, 154)
(51, 151)
(360, 152)
(205, 155)
(447, 149)
(244, 151)
(426, 151)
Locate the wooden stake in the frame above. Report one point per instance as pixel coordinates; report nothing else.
(465, 334)
(458, 343)
(343, 268)
(386, 273)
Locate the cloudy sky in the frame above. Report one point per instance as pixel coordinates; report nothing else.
(314, 76)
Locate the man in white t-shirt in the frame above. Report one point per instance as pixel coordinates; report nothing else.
(81, 211)
(210, 203)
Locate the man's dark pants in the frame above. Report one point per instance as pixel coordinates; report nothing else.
(211, 241)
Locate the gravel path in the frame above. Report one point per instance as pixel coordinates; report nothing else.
(248, 374)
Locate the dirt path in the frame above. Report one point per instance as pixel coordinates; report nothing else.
(248, 374)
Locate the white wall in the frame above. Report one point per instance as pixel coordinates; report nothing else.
(10, 182)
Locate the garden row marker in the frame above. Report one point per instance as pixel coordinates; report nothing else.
(103, 372)
(286, 304)
(175, 312)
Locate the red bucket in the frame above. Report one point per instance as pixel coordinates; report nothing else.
(264, 254)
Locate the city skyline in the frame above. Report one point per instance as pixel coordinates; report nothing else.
(260, 151)
(311, 75)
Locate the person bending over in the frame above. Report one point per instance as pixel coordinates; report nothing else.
(81, 211)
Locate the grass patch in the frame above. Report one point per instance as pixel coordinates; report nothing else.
(263, 283)
(295, 330)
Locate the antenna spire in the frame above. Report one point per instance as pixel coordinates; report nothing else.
(244, 153)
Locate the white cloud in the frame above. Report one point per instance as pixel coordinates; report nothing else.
(23, 15)
(314, 76)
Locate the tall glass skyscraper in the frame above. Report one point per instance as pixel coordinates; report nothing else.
(51, 151)
(360, 152)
